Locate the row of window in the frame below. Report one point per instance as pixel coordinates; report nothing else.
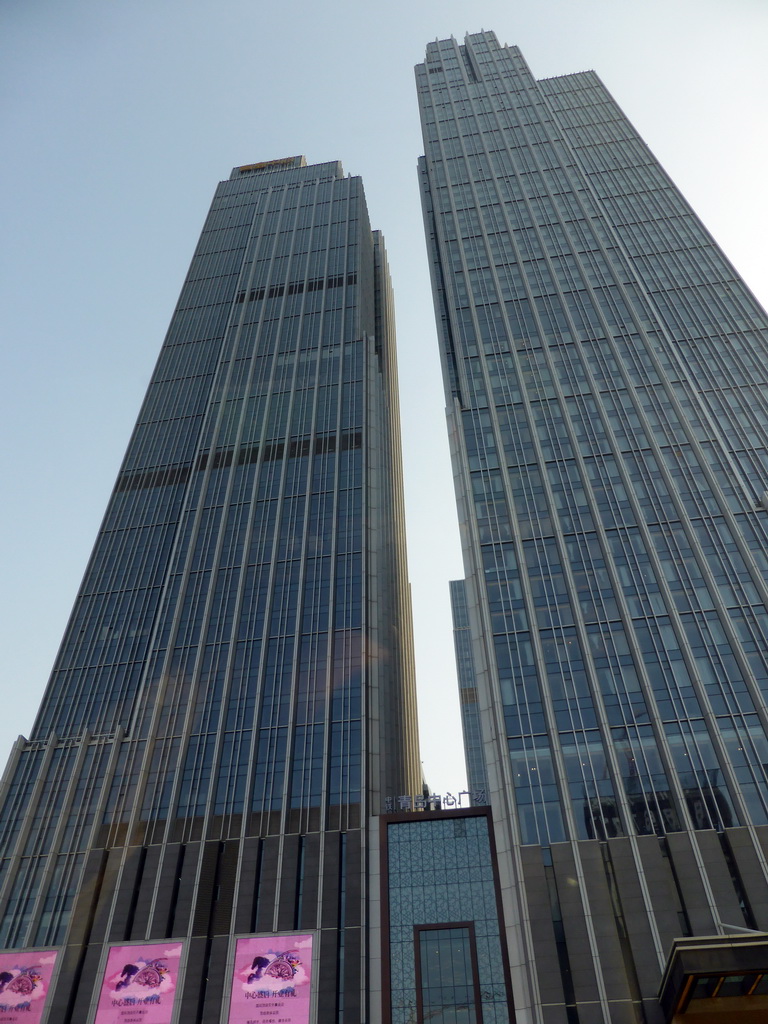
(297, 287)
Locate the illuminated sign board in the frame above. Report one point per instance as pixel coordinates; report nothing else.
(139, 983)
(25, 979)
(271, 980)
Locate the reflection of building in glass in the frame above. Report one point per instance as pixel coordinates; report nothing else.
(234, 694)
(605, 373)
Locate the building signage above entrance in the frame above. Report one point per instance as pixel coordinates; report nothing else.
(435, 801)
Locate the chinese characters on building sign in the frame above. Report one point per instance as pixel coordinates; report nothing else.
(24, 982)
(139, 984)
(435, 801)
(271, 981)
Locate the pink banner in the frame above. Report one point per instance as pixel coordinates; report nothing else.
(24, 982)
(139, 984)
(271, 982)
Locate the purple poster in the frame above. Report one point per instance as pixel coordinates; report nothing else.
(24, 982)
(139, 984)
(271, 982)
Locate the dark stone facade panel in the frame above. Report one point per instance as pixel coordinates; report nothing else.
(187, 890)
(166, 890)
(580, 953)
(309, 908)
(604, 923)
(287, 874)
(353, 961)
(556, 1014)
(591, 1013)
(661, 889)
(206, 883)
(146, 888)
(193, 979)
(726, 898)
(540, 911)
(122, 908)
(70, 977)
(622, 1013)
(113, 898)
(221, 922)
(84, 910)
(653, 1012)
(268, 883)
(326, 977)
(355, 870)
(751, 870)
(246, 890)
(691, 885)
(89, 980)
(639, 932)
(329, 908)
(216, 985)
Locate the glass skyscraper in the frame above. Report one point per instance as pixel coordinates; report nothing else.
(234, 692)
(605, 374)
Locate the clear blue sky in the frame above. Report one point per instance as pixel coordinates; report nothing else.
(118, 117)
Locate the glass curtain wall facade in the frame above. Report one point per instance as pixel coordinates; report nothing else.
(477, 781)
(235, 690)
(441, 921)
(605, 374)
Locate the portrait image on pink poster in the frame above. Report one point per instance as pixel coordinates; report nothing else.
(272, 980)
(25, 979)
(139, 978)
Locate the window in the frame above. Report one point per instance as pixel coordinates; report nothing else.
(446, 975)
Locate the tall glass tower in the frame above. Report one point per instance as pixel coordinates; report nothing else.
(234, 692)
(605, 374)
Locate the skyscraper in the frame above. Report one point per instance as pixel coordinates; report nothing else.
(605, 374)
(234, 691)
